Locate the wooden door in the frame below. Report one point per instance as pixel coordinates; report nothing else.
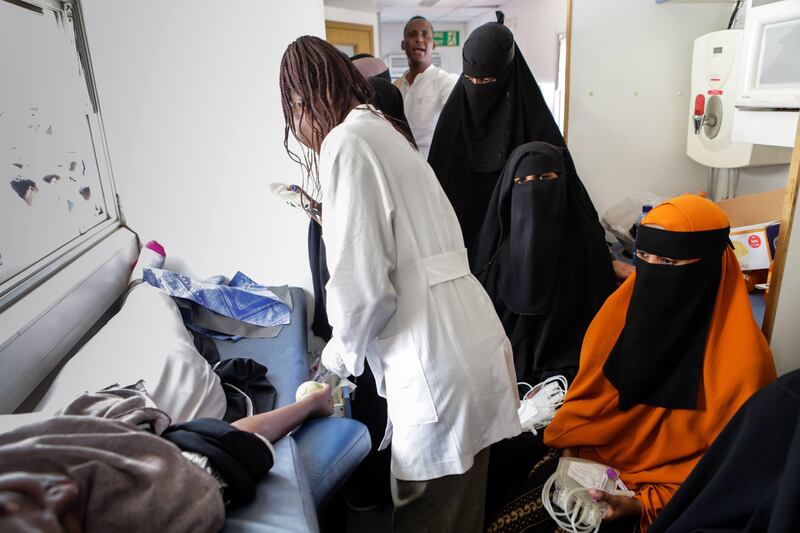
(350, 38)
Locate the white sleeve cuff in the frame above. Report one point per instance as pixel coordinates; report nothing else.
(332, 359)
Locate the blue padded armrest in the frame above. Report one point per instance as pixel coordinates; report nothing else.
(285, 356)
(331, 449)
(759, 306)
(283, 499)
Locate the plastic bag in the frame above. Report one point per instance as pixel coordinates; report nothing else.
(620, 219)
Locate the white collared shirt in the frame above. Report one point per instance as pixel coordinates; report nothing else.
(423, 102)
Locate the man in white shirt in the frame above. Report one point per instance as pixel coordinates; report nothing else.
(425, 88)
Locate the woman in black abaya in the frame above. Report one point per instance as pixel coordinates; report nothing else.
(542, 257)
(749, 479)
(495, 106)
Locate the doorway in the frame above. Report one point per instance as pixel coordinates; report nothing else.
(350, 38)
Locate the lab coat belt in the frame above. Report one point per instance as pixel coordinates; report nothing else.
(446, 267)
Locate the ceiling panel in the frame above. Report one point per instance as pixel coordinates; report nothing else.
(370, 6)
(402, 10)
(485, 3)
(440, 3)
(382, 4)
(464, 14)
(402, 14)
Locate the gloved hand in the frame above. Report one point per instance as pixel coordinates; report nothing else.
(295, 196)
(285, 193)
(332, 360)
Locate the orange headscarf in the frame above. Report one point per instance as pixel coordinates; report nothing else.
(655, 448)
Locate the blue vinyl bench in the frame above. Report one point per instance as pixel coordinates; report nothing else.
(313, 462)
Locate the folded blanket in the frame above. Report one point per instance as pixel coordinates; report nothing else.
(241, 299)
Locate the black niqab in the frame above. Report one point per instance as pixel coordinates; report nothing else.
(535, 231)
(480, 125)
(673, 304)
(487, 107)
(543, 259)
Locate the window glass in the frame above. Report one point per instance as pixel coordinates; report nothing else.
(51, 191)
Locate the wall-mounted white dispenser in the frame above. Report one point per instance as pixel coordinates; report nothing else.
(715, 76)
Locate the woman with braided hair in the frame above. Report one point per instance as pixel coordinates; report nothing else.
(401, 295)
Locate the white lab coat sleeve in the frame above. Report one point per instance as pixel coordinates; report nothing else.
(357, 217)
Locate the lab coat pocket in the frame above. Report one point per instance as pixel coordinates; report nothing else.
(407, 392)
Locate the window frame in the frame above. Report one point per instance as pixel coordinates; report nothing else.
(69, 17)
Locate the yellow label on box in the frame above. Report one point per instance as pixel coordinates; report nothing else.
(751, 248)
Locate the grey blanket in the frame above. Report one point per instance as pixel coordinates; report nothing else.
(129, 479)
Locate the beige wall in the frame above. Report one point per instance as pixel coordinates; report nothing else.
(629, 92)
(192, 111)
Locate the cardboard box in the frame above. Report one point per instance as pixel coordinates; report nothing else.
(754, 226)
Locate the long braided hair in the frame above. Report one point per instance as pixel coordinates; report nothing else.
(328, 85)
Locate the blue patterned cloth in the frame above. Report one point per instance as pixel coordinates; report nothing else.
(241, 299)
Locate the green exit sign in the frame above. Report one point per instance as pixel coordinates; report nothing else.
(446, 38)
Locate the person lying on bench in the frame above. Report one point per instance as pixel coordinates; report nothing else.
(111, 461)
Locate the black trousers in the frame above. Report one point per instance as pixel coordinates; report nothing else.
(370, 483)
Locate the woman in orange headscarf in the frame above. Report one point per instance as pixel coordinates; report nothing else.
(667, 361)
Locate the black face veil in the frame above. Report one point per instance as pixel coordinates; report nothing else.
(535, 227)
(481, 124)
(542, 257)
(674, 305)
(487, 106)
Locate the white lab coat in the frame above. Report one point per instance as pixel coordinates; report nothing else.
(401, 295)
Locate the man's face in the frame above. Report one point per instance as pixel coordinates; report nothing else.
(38, 502)
(418, 42)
